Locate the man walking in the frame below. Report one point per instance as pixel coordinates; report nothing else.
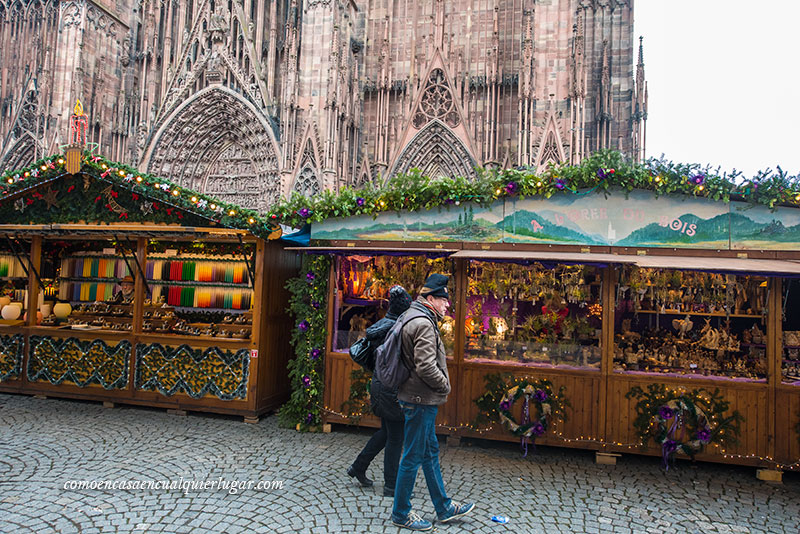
(426, 388)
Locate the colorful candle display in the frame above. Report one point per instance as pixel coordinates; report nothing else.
(168, 277)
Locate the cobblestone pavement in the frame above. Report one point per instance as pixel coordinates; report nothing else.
(47, 443)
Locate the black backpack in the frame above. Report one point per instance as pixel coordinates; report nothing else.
(363, 353)
(390, 365)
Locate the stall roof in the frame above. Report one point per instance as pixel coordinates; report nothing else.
(717, 264)
(686, 263)
(544, 256)
(374, 251)
(101, 191)
(144, 230)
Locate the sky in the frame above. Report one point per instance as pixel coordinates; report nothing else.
(724, 82)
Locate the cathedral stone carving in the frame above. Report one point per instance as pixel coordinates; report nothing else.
(307, 183)
(437, 103)
(217, 144)
(219, 95)
(438, 153)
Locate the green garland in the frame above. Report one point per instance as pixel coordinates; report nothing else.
(307, 304)
(602, 171)
(680, 421)
(357, 404)
(119, 193)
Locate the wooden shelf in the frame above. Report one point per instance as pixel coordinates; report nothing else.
(152, 282)
(705, 314)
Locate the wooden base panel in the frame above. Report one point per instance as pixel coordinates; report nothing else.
(606, 458)
(770, 475)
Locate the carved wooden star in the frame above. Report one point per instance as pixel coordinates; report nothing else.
(49, 197)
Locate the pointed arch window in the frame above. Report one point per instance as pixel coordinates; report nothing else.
(550, 152)
(307, 183)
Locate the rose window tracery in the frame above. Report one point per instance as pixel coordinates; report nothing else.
(437, 102)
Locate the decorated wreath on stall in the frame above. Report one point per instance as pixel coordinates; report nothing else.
(683, 422)
(542, 405)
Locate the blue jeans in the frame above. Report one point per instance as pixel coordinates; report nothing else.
(421, 448)
(391, 435)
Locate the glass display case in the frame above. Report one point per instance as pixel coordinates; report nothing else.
(537, 315)
(790, 346)
(362, 287)
(690, 323)
(186, 293)
(198, 295)
(13, 281)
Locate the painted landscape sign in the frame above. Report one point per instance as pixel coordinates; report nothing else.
(639, 219)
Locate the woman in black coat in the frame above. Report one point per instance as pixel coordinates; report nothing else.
(384, 404)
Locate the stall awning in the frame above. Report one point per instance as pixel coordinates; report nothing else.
(785, 268)
(520, 256)
(76, 231)
(721, 265)
(376, 251)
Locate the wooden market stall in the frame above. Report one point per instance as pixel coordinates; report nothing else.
(609, 298)
(204, 327)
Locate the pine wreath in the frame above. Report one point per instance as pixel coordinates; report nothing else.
(681, 421)
(541, 406)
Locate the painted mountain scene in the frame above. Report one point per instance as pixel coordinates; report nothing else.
(464, 222)
(640, 219)
(758, 227)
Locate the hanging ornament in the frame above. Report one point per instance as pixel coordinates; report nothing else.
(108, 193)
(49, 197)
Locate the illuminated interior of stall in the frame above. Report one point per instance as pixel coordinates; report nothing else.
(362, 287)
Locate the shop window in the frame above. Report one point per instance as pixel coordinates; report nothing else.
(13, 277)
(534, 315)
(362, 287)
(198, 290)
(690, 323)
(790, 346)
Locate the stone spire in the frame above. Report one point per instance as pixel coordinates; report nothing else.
(639, 111)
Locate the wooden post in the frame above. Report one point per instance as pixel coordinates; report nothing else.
(326, 393)
(461, 404)
(35, 259)
(138, 288)
(774, 358)
(257, 334)
(606, 347)
(137, 308)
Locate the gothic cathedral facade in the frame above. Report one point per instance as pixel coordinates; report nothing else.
(249, 100)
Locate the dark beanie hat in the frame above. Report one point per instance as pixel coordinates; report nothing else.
(435, 286)
(399, 300)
